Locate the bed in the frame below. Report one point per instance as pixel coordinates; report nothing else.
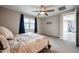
(23, 43)
(28, 43)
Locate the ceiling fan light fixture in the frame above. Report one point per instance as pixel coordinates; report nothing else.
(42, 13)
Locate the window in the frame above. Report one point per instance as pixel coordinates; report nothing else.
(29, 24)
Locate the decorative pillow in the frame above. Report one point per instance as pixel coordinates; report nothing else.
(5, 44)
(6, 33)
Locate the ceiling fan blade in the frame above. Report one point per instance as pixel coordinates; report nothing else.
(36, 11)
(38, 14)
(46, 14)
(39, 11)
(49, 10)
(45, 11)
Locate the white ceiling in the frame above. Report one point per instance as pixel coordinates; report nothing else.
(27, 9)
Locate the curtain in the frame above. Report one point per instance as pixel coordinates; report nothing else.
(35, 30)
(21, 26)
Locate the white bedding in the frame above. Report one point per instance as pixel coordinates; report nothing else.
(28, 43)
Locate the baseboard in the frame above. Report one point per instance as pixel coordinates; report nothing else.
(50, 35)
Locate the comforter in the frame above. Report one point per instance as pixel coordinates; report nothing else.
(28, 43)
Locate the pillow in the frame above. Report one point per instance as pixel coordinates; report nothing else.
(5, 44)
(6, 33)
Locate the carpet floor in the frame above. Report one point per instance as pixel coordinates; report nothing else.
(60, 46)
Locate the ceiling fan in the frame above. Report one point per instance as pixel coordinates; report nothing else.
(43, 10)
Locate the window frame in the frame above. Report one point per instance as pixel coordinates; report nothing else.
(29, 23)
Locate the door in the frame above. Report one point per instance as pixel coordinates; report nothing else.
(69, 27)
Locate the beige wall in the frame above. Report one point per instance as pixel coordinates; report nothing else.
(10, 19)
(56, 28)
(51, 29)
(39, 24)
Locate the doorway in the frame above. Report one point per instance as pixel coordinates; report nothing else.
(69, 27)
